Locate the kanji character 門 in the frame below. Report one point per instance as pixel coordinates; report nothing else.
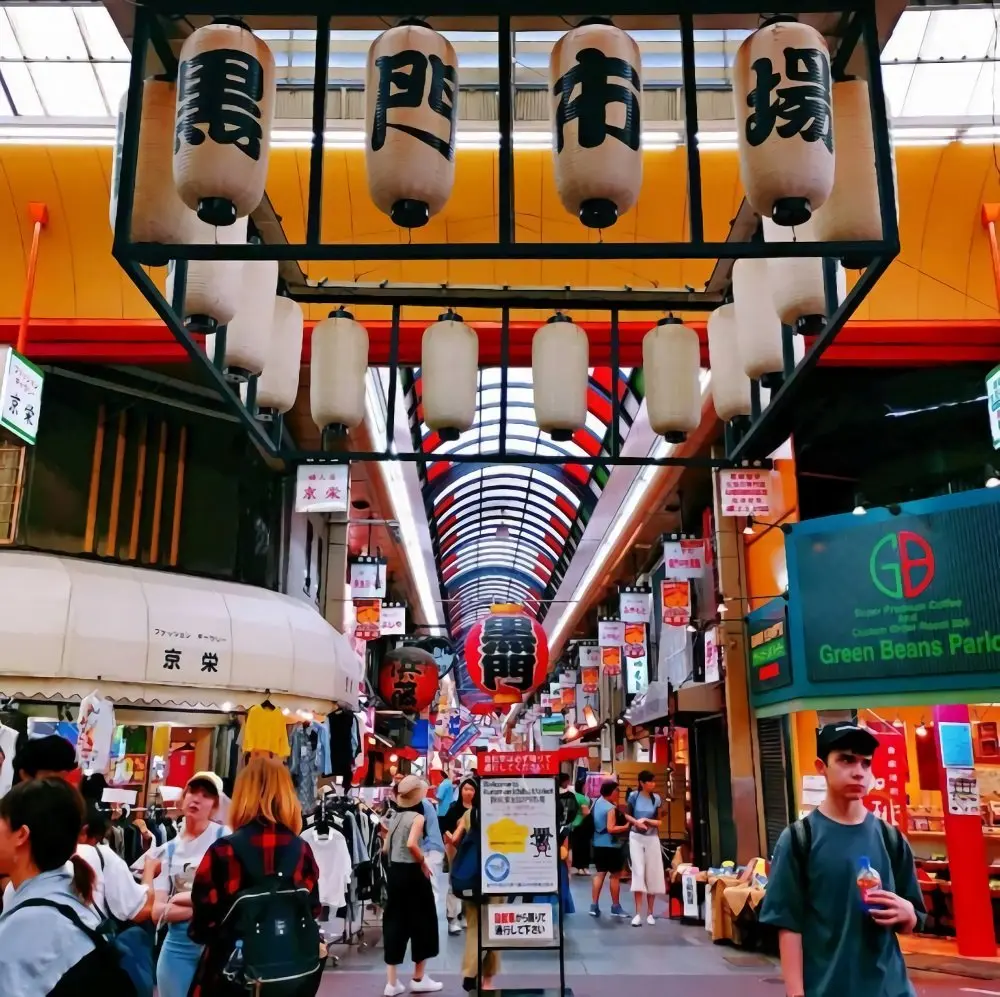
(210, 662)
(402, 79)
(803, 105)
(218, 95)
(507, 652)
(590, 107)
(172, 660)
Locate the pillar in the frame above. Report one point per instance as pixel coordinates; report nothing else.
(336, 581)
(970, 887)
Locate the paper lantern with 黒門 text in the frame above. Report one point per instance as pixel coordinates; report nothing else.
(507, 654)
(408, 680)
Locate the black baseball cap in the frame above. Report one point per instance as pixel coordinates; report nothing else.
(845, 736)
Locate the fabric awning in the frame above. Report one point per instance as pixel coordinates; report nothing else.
(68, 626)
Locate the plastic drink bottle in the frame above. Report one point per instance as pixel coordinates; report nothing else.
(233, 970)
(868, 880)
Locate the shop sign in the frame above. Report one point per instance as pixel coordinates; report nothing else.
(713, 655)
(745, 492)
(20, 395)
(913, 596)
(684, 560)
(525, 923)
(610, 633)
(633, 605)
(368, 577)
(890, 772)
(770, 664)
(321, 487)
(520, 843)
(637, 664)
(675, 603)
(367, 616)
(198, 651)
(520, 763)
(993, 404)
(611, 659)
(392, 622)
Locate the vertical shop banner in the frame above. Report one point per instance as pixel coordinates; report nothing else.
(610, 633)
(684, 560)
(745, 493)
(890, 771)
(636, 659)
(368, 578)
(633, 606)
(993, 404)
(611, 660)
(713, 655)
(520, 844)
(567, 697)
(590, 678)
(675, 603)
(367, 616)
(321, 488)
(392, 622)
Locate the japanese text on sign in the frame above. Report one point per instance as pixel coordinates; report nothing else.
(684, 559)
(589, 81)
(745, 493)
(675, 598)
(367, 615)
(508, 647)
(519, 836)
(610, 633)
(519, 763)
(521, 922)
(633, 607)
(20, 395)
(321, 488)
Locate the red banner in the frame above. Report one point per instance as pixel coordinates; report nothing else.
(890, 771)
(675, 602)
(519, 763)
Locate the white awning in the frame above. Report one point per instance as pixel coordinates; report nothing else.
(68, 626)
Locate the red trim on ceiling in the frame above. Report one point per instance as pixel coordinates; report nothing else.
(446, 503)
(578, 471)
(564, 505)
(559, 526)
(447, 525)
(585, 440)
(438, 468)
(432, 441)
(546, 562)
(599, 405)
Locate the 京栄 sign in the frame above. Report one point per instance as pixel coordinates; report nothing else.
(20, 395)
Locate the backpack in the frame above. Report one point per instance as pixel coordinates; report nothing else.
(134, 945)
(466, 875)
(271, 926)
(569, 809)
(99, 971)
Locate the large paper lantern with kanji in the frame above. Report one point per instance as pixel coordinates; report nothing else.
(408, 679)
(507, 654)
(784, 120)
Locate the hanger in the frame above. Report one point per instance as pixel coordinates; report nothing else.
(267, 704)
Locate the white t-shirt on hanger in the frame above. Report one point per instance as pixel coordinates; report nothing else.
(334, 861)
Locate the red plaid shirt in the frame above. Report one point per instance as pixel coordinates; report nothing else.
(221, 876)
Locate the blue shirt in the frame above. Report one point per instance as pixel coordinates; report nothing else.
(445, 795)
(39, 945)
(643, 806)
(602, 839)
(432, 832)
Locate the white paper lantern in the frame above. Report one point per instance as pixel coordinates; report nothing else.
(214, 289)
(730, 384)
(781, 90)
(411, 111)
(225, 112)
(758, 323)
(852, 212)
(338, 371)
(671, 368)
(158, 213)
(596, 146)
(560, 371)
(278, 384)
(449, 371)
(248, 335)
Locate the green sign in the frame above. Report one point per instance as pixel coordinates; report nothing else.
(914, 595)
(767, 640)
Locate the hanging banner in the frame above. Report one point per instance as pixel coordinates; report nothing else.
(675, 600)
(637, 666)
(713, 655)
(321, 488)
(567, 698)
(368, 578)
(611, 659)
(634, 644)
(20, 395)
(367, 614)
(745, 492)
(610, 633)
(589, 656)
(993, 404)
(590, 678)
(393, 619)
(633, 606)
(684, 560)
(889, 774)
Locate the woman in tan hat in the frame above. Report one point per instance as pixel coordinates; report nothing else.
(410, 915)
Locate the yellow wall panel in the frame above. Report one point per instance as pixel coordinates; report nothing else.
(944, 271)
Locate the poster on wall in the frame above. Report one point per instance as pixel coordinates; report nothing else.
(963, 792)
(633, 605)
(684, 560)
(321, 488)
(610, 633)
(745, 492)
(675, 603)
(520, 845)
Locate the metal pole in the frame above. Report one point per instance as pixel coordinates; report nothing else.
(830, 285)
(314, 216)
(504, 362)
(220, 347)
(691, 128)
(754, 400)
(615, 401)
(390, 418)
(787, 349)
(179, 288)
(505, 183)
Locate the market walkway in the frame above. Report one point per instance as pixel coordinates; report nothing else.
(666, 960)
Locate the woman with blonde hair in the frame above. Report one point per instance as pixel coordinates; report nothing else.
(263, 862)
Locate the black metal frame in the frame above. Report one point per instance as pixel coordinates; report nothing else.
(765, 430)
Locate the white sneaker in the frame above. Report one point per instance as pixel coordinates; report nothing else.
(425, 986)
(393, 991)
(637, 921)
(454, 928)
(650, 919)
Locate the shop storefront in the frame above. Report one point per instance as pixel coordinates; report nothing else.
(893, 616)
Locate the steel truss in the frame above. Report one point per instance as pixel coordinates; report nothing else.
(746, 441)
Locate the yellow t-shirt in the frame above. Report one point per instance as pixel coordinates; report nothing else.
(265, 730)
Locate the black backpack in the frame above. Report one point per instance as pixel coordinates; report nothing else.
(569, 808)
(271, 927)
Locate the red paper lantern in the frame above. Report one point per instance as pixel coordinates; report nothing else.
(408, 681)
(507, 654)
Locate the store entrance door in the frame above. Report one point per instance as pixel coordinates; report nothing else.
(713, 831)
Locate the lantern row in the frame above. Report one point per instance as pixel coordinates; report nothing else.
(220, 117)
